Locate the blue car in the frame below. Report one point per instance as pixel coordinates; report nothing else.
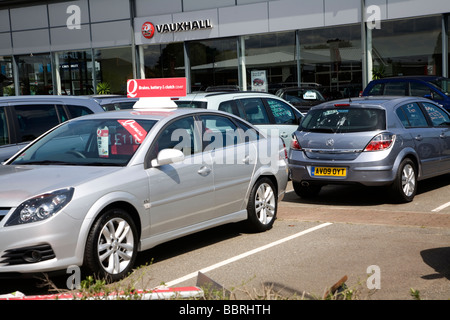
(432, 87)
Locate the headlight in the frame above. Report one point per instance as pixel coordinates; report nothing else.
(40, 207)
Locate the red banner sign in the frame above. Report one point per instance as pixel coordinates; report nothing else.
(161, 87)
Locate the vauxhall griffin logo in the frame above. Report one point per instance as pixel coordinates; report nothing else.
(148, 30)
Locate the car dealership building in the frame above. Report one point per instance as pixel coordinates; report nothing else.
(94, 46)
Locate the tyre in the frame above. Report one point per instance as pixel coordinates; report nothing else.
(111, 246)
(404, 187)
(306, 192)
(262, 206)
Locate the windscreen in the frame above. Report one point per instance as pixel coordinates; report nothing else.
(99, 142)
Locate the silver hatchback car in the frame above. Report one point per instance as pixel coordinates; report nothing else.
(97, 189)
(372, 141)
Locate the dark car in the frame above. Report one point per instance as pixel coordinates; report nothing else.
(301, 98)
(24, 118)
(112, 102)
(432, 87)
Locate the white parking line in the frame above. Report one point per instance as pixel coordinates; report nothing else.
(245, 254)
(445, 205)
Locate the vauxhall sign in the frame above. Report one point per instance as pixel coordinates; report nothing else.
(148, 29)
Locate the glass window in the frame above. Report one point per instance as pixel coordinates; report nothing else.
(75, 69)
(282, 113)
(438, 117)
(274, 56)
(4, 136)
(396, 88)
(78, 111)
(113, 67)
(6, 77)
(178, 135)
(34, 120)
(35, 74)
(229, 106)
(408, 47)
(163, 61)
(254, 111)
(331, 59)
(412, 116)
(419, 89)
(219, 132)
(339, 120)
(213, 63)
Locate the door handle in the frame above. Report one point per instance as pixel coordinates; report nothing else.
(246, 160)
(204, 171)
(419, 138)
(442, 135)
(284, 135)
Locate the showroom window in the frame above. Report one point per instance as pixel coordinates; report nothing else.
(163, 61)
(270, 61)
(408, 47)
(213, 63)
(6, 76)
(75, 69)
(35, 74)
(113, 67)
(331, 58)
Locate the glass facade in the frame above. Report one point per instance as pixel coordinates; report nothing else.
(6, 76)
(35, 74)
(75, 71)
(408, 47)
(163, 61)
(213, 63)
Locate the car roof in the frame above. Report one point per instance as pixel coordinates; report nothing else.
(44, 98)
(419, 77)
(205, 95)
(372, 100)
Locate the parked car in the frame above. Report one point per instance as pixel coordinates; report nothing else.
(111, 102)
(300, 97)
(97, 189)
(371, 141)
(431, 87)
(24, 118)
(266, 111)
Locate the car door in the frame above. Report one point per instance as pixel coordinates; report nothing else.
(181, 193)
(441, 124)
(233, 162)
(426, 139)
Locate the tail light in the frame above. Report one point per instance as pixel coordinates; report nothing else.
(380, 142)
(294, 143)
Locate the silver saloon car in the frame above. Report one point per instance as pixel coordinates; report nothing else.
(97, 189)
(371, 141)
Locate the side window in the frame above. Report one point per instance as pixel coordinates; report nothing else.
(34, 120)
(282, 113)
(180, 135)
(218, 132)
(395, 89)
(254, 110)
(229, 106)
(419, 89)
(78, 111)
(412, 116)
(4, 136)
(377, 90)
(438, 117)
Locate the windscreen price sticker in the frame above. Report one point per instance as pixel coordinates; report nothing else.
(161, 87)
(103, 142)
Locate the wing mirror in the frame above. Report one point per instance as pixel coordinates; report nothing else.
(168, 156)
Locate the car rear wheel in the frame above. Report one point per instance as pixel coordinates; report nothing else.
(262, 206)
(111, 247)
(404, 187)
(306, 191)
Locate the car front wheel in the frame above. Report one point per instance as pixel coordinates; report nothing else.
(111, 247)
(404, 187)
(262, 206)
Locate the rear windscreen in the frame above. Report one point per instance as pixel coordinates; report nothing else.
(344, 120)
